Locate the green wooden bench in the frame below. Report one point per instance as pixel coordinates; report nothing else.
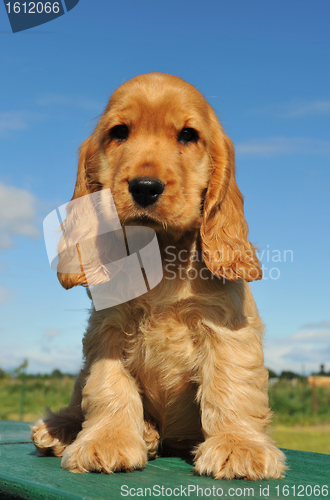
(24, 475)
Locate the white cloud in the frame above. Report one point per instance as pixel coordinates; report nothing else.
(67, 359)
(12, 120)
(283, 145)
(305, 349)
(312, 336)
(308, 109)
(17, 120)
(17, 215)
(319, 324)
(5, 294)
(51, 333)
(76, 102)
(296, 109)
(52, 350)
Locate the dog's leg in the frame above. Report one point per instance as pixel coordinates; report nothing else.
(111, 438)
(55, 431)
(234, 409)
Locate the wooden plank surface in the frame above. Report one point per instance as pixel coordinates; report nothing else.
(24, 475)
(14, 432)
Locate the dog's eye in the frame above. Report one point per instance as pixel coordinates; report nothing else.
(188, 135)
(119, 132)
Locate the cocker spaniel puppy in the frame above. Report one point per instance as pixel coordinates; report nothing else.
(178, 369)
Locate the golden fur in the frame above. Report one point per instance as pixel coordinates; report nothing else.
(179, 369)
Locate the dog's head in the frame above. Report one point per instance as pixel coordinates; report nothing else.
(161, 150)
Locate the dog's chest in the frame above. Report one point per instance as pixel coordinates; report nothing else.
(161, 355)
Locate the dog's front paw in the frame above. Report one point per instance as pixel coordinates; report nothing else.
(230, 456)
(107, 454)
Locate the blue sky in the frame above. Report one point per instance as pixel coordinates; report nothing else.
(263, 66)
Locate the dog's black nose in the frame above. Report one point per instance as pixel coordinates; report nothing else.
(145, 191)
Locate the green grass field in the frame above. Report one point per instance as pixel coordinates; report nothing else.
(299, 422)
(293, 402)
(314, 438)
(39, 393)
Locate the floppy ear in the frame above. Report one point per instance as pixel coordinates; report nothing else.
(87, 167)
(224, 231)
(70, 268)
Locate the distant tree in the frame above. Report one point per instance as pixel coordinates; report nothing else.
(272, 374)
(20, 371)
(2, 373)
(322, 372)
(287, 374)
(57, 373)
